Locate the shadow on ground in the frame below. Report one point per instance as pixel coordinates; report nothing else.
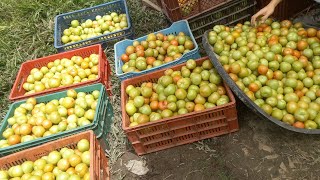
(259, 150)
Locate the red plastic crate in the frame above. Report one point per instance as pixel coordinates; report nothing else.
(18, 93)
(181, 129)
(99, 168)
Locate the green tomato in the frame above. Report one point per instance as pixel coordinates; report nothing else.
(74, 23)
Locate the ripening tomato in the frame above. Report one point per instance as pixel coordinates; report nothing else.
(124, 57)
(298, 124)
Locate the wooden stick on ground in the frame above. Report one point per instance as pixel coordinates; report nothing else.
(152, 5)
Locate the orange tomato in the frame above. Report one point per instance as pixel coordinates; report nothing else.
(176, 78)
(302, 45)
(310, 74)
(273, 42)
(150, 60)
(70, 111)
(124, 57)
(163, 105)
(262, 69)
(168, 59)
(174, 42)
(287, 51)
(140, 53)
(226, 67)
(154, 105)
(233, 77)
(303, 33)
(296, 53)
(299, 93)
(149, 84)
(312, 32)
(253, 87)
(139, 47)
(298, 124)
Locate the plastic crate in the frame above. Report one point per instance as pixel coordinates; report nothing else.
(98, 169)
(181, 129)
(183, 9)
(18, 93)
(63, 21)
(242, 96)
(175, 28)
(228, 13)
(100, 125)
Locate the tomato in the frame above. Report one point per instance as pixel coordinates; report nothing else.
(166, 113)
(292, 36)
(25, 129)
(292, 45)
(299, 124)
(83, 145)
(285, 67)
(267, 108)
(74, 160)
(163, 105)
(275, 25)
(302, 45)
(131, 109)
(266, 91)
(317, 120)
(277, 113)
(262, 69)
(199, 99)
(272, 101)
(14, 139)
(311, 32)
(291, 82)
(310, 124)
(235, 68)
(287, 51)
(308, 82)
(276, 47)
(285, 24)
(308, 53)
(181, 94)
(54, 157)
(291, 107)
(289, 119)
(281, 104)
(301, 115)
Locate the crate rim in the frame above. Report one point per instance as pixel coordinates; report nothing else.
(92, 124)
(196, 47)
(174, 118)
(56, 42)
(58, 89)
(244, 98)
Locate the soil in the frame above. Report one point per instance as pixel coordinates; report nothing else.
(259, 150)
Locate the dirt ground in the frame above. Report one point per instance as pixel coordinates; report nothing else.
(259, 150)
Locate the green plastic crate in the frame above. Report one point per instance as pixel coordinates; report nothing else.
(100, 125)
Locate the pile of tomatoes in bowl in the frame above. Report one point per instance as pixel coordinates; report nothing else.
(277, 65)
